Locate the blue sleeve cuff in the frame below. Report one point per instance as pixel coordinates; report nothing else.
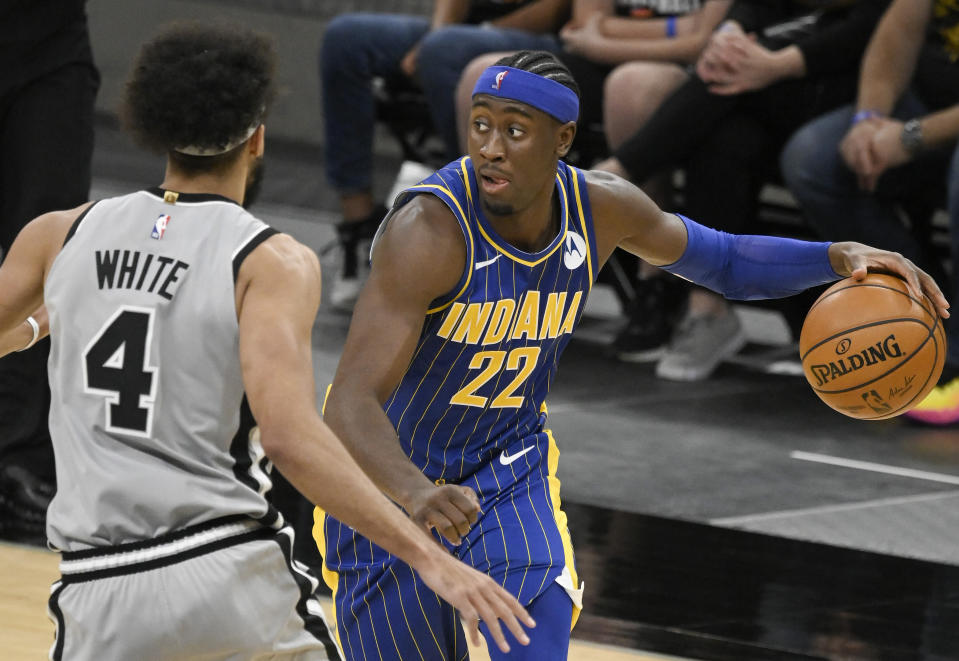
(748, 267)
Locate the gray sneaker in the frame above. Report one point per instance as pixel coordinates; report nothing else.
(699, 345)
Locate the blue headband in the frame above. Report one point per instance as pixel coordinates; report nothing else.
(555, 99)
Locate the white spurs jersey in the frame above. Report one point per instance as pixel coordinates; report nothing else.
(145, 372)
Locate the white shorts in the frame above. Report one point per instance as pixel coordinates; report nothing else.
(224, 590)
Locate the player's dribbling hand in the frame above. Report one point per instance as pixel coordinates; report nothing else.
(849, 258)
(477, 597)
(451, 509)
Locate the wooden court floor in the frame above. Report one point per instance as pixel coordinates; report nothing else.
(26, 632)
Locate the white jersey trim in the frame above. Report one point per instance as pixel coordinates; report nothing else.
(166, 550)
(245, 242)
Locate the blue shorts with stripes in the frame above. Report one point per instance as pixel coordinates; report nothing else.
(384, 611)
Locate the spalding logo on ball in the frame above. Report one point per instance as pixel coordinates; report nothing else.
(870, 349)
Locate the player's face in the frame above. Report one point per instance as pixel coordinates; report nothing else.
(514, 148)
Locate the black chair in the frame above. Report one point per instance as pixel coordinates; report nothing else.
(401, 107)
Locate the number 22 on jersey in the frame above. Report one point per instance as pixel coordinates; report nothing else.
(522, 360)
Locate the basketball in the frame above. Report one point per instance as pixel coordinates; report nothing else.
(870, 349)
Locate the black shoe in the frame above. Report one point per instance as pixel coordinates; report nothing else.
(652, 316)
(353, 240)
(354, 236)
(24, 499)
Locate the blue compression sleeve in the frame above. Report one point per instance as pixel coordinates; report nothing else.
(751, 267)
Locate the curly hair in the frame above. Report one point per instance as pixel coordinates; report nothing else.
(542, 63)
(198, 85)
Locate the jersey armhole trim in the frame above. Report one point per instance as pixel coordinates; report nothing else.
(581, 213)
(443, 302)
(250, 246)
(76, 223)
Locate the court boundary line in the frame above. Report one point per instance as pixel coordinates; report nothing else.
(872, 466)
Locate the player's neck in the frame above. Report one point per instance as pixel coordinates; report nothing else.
(230, 184)
(527, 229)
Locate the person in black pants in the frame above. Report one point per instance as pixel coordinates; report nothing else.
(48, 84)
(726, 124)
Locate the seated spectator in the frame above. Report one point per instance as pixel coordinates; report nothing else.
(726, 124)
(633, 66)
(431, 53)
(656, 39)
(849, 168)
(627, 57)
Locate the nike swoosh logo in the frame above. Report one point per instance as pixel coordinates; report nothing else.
(483, 265)
(507, 459)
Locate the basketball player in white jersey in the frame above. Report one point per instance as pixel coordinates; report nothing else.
(165, 307)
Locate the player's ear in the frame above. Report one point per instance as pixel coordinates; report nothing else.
(257, 141)
(564, 138)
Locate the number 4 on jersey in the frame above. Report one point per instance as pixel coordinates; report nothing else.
(116, 366)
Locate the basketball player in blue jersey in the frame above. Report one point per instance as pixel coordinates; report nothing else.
(479, 276)
(165, 307)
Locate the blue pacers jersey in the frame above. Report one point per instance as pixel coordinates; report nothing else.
(489, 350)
(470, 411)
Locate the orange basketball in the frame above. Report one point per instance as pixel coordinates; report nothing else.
(870, 349)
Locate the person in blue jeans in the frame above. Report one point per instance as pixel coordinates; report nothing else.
(431, 52)
(851, 167)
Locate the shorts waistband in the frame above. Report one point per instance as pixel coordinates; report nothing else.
(161, 551)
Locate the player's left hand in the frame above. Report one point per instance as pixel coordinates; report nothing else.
(849, 258)
(450, 509)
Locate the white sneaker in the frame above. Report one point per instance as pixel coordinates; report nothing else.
(699, 345)
(345, 291)
(410, 174)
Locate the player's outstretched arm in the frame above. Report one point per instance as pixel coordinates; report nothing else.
(736, 266)
(22, 276)
(625, 217)
(419, 256)
(278, 294)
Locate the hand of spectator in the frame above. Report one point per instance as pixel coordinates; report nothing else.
(856, 150)
(585, 39)
(572, 24)
(408, 63)
(746, 65)
(887, 152)
(720, 53)
(849, 258)
(450, 509)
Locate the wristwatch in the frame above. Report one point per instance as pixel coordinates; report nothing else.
(911, 136)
